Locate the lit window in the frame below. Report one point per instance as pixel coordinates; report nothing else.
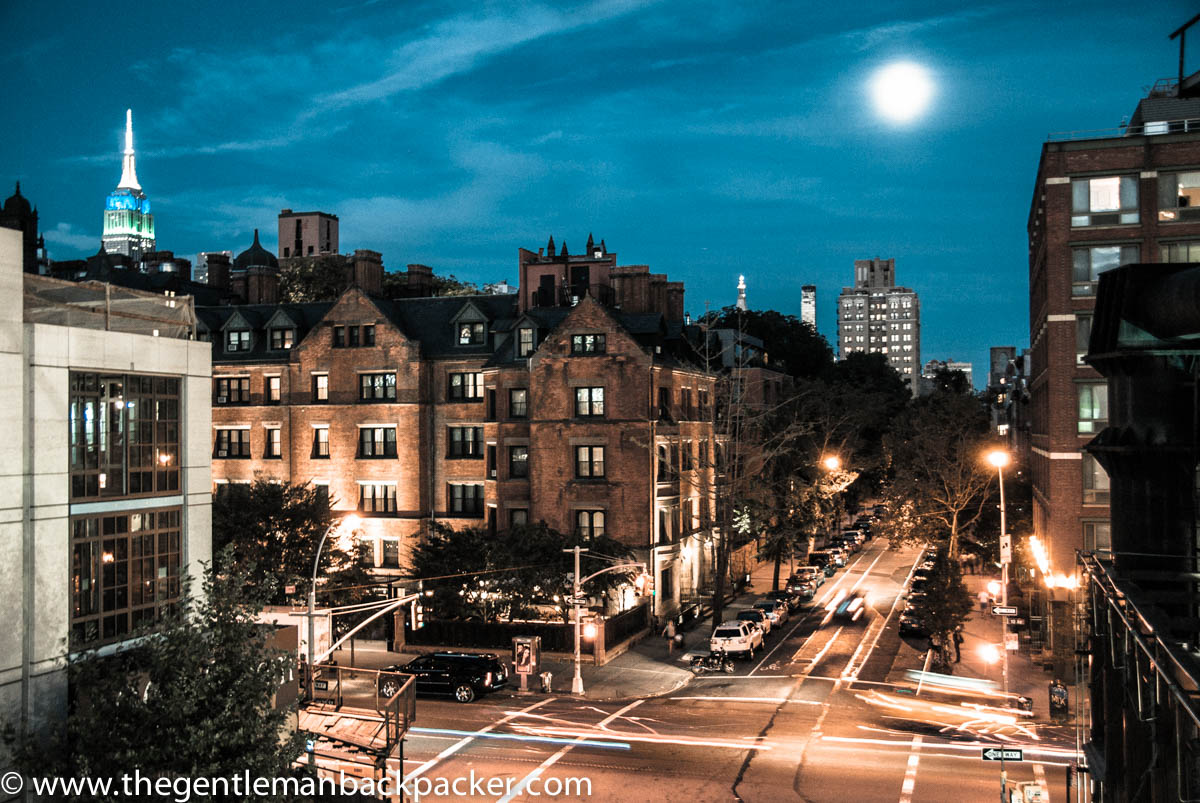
(589, 462)
(518, 403)
(272, 390)
(233, 391)
(589, 524)
(466, 387)
(377, 498)
(274, 445)
(320, 447)
(1089, 263)
(524, 342)
(282, 338)
(232, 443)
(1104, 201)
(376, 442)
(1179, 196)
(587, 344)
(518, 462)
(376, 387)
(471, 334)
(320, 387)
(237, 340)
(1093, 407)
(1095, 481)
(589, 402)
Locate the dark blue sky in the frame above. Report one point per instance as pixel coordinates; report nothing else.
(705, 139)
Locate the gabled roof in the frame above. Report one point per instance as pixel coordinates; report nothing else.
(431, 321)
(257, 317)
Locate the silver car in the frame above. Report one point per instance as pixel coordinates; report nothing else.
(776, 611)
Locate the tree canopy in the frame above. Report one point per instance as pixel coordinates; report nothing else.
(798, 346)
(475, 574)
(269, 532)
(192, 698)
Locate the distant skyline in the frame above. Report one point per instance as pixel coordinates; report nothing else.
(706, 139)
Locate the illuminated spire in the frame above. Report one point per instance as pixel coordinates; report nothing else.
(128, 170)
(741, 299)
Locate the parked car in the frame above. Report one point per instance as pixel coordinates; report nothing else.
(738, 636)
(756, 616)
(911, 624)
(813, 574)
(863, 525)
(776, 611)
(462, 675)
(792, 599)
(839, 555)
(823, 561)
(879, 511)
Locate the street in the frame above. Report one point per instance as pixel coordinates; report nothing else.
(801, 722)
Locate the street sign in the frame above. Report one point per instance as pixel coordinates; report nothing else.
(309, 745)
(289, 589)
(1004, 610)
(1014, 621)
(577, 600)
(1002, 754)
(1010, 642)
(321, 685)
(1006, 548)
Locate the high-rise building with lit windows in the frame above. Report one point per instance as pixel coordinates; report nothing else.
(878, 317)
(128, 223)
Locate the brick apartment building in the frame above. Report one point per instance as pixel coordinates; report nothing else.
(1099, 202)
(580, 401)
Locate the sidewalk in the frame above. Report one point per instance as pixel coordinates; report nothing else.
(1024, 677)
(644, 670)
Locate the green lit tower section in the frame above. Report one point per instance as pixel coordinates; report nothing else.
(128, 224)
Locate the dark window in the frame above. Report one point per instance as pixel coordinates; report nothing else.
(320, 387)
(282, 338)
(518, 462)
(1095, 481)
(491, 404)
(232, 443)
(589, 524)
(466, 442)
(685, 454)
(587, 344)
(466, 499)
(352, 336)
(271, 392)
(685, 403)
(472, 334)
(377, 442)
(491, 461)
(339, 337)
(667, 586)
(589, 402)
(124, 435)
(376, 387)
(237, 340)
(1089, 263)
(1083, 333)
(233, 391)
(525, 342)
(466, 387)
(589, 462)
(320, 448)
(368, 339)
(273, 444)
(125, 573)
(518, 517)
(518, 403)
(664, 403)
(377, 498)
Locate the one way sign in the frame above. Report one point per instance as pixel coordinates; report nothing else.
(1002, 754)
(1004, 610)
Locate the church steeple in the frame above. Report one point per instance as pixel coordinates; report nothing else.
(128, 168)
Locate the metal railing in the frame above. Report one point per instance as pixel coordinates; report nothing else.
(1154, 128)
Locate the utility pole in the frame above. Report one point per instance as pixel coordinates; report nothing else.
(577, 681)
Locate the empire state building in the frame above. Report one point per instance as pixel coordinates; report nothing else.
(128, 224)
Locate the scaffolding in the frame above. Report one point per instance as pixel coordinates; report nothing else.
(99, 305)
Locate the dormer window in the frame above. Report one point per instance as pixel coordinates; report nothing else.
(525, 342)
(282, 339)
(237, 340)
(472, 334)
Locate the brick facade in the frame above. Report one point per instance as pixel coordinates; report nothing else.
(617, 420)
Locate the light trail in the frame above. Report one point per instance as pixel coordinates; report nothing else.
(516, 737)
(971, 747)
(454, 748)
(775, 700)
(657, 739)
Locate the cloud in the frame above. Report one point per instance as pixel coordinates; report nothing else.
(67, 235)
(459, 44)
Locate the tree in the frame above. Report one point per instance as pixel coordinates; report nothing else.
(944, 607)
(938, 477)
(477, 575)
(192, 698)
(395, 285)
(272, 531)
(797, 345)
(316, 278)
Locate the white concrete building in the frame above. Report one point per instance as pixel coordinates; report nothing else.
(878, 317)
(104, 470)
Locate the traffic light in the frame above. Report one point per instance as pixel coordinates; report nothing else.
(418, 616)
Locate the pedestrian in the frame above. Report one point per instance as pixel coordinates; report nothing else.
(669, 634)
(958, 640)
(983, 601)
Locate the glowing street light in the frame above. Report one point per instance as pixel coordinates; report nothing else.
(989, 653)
(832, 462)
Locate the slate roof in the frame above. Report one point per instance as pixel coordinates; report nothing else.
(1156, 109)
(213, 319)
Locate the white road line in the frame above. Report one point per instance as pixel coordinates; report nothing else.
(775, 700)
(895, 603)
(1039, 774)
(910, 774)
(545, 765)
(454, 748)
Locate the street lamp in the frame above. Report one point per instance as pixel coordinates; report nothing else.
(577, 602)
(832, 462)
(1000, 458)
(351, 522)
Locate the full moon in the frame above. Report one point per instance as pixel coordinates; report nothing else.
(902, 91)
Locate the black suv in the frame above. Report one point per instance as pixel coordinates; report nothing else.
(463, 675)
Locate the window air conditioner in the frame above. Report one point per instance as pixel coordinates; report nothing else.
(222, 399)
(222, 453)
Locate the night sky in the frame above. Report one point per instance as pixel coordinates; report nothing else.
(705, 139)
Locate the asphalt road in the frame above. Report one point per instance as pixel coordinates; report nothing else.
(796, 723)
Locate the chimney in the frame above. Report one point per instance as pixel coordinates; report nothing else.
(218, 271)
(262, 285)
(367, 271)
(419, 282)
